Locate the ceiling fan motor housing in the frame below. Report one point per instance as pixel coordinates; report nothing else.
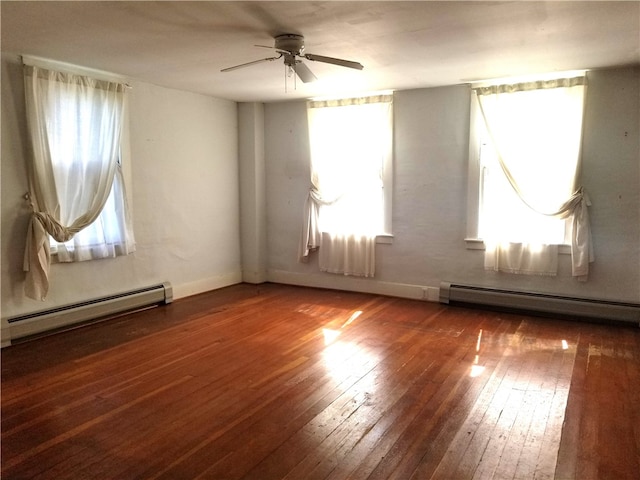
(291, 47)
(291, 43)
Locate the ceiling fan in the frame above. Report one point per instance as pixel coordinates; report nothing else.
(291, 47)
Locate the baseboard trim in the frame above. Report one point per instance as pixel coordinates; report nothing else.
(207, 284)
(355, 284)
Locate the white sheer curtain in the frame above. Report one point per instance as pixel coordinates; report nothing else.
(536, 131)
(75, 125)
(350, 141)
(109, 236)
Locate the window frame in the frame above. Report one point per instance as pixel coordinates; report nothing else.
(474, 167)
(125, 153)
(386, 235)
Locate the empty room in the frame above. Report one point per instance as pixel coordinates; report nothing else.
(327, 240)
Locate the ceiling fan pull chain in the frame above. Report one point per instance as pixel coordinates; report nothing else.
(286, 77)
(295, 76)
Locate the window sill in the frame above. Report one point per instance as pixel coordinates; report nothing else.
(478, 244)
(474, 243)
(382, 239)
(385, 239)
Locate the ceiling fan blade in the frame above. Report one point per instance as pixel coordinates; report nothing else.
(334, 61)
(304, 73)
(242, 65)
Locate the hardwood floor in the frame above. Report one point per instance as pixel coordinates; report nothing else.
(280, 382)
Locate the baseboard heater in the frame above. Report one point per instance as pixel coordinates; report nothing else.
(540, 303)
(66, 315)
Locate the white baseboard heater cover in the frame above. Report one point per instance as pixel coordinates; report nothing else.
(56, 318)
(540, 303)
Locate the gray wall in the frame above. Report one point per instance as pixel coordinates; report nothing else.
(191, 185)
(184, 194)
(430, 195)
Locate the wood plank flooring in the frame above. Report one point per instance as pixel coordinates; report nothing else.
(280, 382)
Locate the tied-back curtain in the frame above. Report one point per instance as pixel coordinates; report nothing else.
(350, 140)
(75, 126)
(110, 235)
(536, 131)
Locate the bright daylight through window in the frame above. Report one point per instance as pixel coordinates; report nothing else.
(526, 197)
(349, 202)
(70, 144)
(79, 209)
(351, 155)
(502, 213)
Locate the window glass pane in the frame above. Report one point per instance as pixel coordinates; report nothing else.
(537, 132)
(504, 215)
(349, 148)
(72, 151)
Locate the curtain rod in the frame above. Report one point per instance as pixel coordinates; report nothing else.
(71, 68)
(526, 78)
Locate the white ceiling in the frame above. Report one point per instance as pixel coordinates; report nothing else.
(402, 45)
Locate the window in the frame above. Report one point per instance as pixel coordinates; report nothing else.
(350, 143)
(349, 204)
(525, 197)
(72, 137)
(110, 235)
(76, 124)
(502, 213)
